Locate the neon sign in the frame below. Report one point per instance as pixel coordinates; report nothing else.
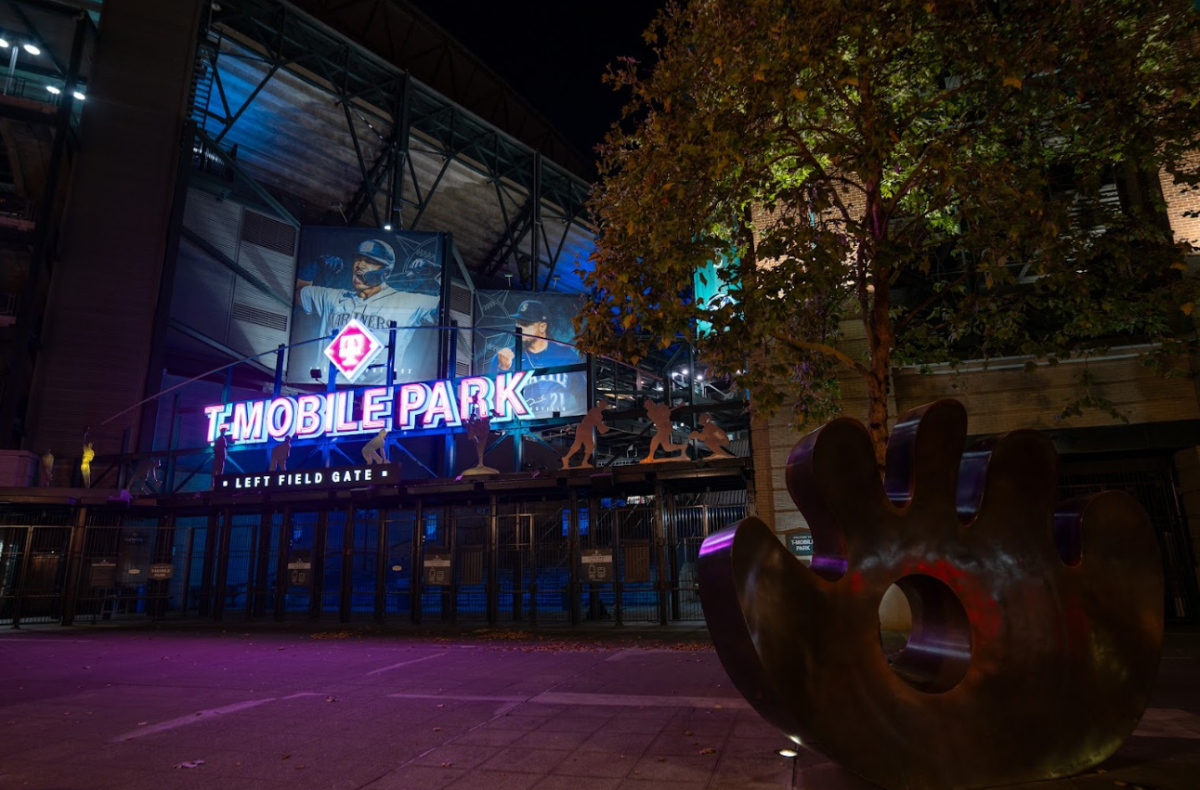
(409, 407)
(352, 349)
(343, 477)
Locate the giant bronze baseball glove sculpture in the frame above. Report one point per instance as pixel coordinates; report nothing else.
(1036, 629)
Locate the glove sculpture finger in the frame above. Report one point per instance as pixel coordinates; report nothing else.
(1036, 629)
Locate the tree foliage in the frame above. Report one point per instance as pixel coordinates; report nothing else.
(967, 179)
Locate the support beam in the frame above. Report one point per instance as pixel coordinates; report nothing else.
(213, 147)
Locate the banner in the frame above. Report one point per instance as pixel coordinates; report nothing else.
(547, 340)
(374, 277)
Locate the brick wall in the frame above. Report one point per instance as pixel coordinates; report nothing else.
(1186, 228)
(997, 400)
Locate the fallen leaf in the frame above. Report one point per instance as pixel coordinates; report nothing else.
(708, 750)
(437, 729)
(447, 764)
(190, 764)
(331, 699)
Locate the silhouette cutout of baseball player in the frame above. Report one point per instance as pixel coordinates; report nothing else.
(372, 451)
(585, 437)
(85, 461)
(479, 428)
(220, 450)
(147, 474)
(660, 415)
(713, 436)
(279, 455)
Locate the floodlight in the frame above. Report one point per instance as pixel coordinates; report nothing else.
(79, 96)
(32, 49)
(54, 89)
(4, 43)
(387, 226)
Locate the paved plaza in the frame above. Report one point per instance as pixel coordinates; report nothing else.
(98, 708)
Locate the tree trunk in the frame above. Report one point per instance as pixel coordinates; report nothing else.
(877, 404)
(880, 334)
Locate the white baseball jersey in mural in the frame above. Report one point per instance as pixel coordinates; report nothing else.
(336, 306)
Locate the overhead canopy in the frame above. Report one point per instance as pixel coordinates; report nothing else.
(309, 118)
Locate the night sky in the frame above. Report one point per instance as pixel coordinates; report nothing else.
(553, 52)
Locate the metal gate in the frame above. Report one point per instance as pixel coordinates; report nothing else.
(533, 564)
(436, 580)
(470, 580)
(634, 543)
(33, 571)
(689, 527)
(117, 576)
(305, 547)
(1151, 481)
(537, 563)
(598, 588)
(399, 563)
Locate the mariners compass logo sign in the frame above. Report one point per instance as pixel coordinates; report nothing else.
(352, 349)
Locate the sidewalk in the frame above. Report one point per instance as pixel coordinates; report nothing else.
(110, 707)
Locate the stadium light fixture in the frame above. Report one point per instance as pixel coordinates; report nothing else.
(79, 95)
(31, 48)
(387, 226)
(4, 43)
(54, 89)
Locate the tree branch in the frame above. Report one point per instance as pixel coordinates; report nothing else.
(822, 348)
(903, 322)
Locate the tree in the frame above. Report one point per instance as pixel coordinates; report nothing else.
(967, 179)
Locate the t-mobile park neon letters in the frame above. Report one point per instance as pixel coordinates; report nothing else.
(408, 407)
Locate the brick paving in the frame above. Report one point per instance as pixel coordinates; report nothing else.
(98, 708)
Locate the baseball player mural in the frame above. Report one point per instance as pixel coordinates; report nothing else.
(547, 339)
(376, 277)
